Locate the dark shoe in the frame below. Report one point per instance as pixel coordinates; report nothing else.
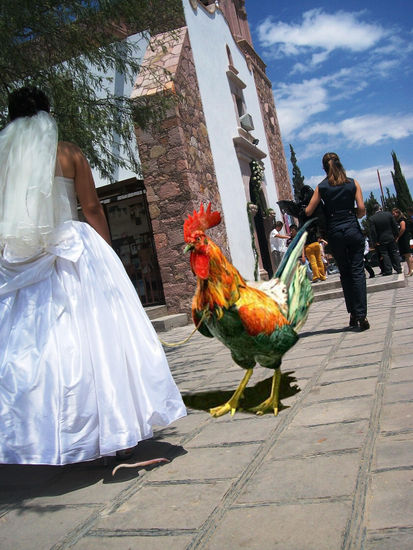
(364, 324)
(386, 274)
(353, 321)
(372, 276)
(125, 453)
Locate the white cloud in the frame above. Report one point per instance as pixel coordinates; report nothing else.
(364, 130)
(369, 181)
(320, 31)
(296, 104)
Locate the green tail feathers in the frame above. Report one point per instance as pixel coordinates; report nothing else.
(294, 276)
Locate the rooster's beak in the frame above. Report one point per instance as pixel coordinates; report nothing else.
(188, 247)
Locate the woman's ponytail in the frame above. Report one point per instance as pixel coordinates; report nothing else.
(336, 174)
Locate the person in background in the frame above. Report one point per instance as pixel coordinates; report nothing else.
(409, 222)
(312, 252)
(345, 239)
(403, 239)
(367, 265)
(293, 233)
(383, 235)
(323, 243)
(278, 244)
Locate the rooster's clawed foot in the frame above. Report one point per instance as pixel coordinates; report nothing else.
(223, 409)
(270, 404)
(232, 404)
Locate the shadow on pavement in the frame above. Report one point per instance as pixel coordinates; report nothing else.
(326, 331)
(252, 397)
(22, 482)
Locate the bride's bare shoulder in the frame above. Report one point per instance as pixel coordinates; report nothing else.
(67, 154)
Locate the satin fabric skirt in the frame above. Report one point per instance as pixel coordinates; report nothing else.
(82, 372)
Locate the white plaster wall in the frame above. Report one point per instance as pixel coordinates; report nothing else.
(116, 82)
(209, 34)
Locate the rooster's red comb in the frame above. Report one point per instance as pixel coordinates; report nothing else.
(204, 219)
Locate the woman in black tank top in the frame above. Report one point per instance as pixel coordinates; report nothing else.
(338, 195)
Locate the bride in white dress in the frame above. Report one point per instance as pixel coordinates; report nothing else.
(82, 372)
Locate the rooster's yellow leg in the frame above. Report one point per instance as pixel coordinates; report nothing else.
(232, 404)
(271, 404)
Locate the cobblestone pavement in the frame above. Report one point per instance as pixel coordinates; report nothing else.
(334, 470)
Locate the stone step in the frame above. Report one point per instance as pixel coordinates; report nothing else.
(154, 312)
(162, 324)
(331, 288)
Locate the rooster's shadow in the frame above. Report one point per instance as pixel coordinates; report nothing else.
(253, 396)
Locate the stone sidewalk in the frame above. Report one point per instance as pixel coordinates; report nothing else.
(333, 471)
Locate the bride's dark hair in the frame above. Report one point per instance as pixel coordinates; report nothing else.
(27, 101)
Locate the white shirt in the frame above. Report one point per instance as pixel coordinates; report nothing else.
(276, 243)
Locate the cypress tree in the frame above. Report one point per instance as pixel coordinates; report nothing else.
(298, 179)
(404, 198)
(390, 201)
(370, 203)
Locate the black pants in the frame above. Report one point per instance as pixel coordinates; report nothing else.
(346, 242)
(368, 267)
(390, 257)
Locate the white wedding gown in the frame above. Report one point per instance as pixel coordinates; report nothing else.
(82, 372)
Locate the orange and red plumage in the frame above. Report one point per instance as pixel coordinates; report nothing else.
(245, 319)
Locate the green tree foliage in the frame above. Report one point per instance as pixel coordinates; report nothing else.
(390, 201)
(404, 198)
(66, 47)
(370, 203)
(298, 179)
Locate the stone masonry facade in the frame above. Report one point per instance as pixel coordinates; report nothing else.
(177, 164)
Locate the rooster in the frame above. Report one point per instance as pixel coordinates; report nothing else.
(258, 325)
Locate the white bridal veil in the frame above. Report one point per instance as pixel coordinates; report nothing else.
(29, 209)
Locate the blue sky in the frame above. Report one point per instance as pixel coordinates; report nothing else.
(342, 75)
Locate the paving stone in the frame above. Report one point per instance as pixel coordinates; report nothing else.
(402, 374)
(355, 360)
(124, 542)
(207, 463)
(174, 506)
(401, 361)
(404, 339)
(356, 350)
(184, 426)
(341, 390)
(392, 541)
(399, 392)
(353, 373)
(394, 451)
(345, 410)
(313, 477)
(239, 428)
(84, 487)
(396, 417)
(390, 500)
(317, 527)
(32, 527)
(302, 373)
(296, 441)
(298, 363)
